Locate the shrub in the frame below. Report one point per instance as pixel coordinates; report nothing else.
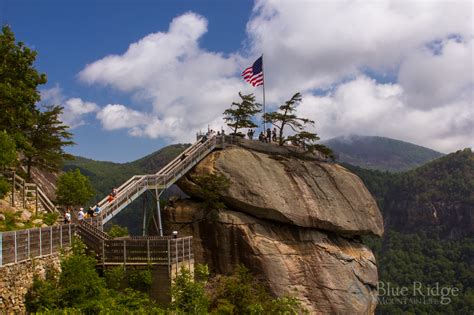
(117, 231)
(140, 280)
(5, 187)
(114, 277)
(50, 218)
(188, 295)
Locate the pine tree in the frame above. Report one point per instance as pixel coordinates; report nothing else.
(287, 118)
(240, 116)
(46, 141)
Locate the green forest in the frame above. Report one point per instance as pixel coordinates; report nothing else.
(417, 248)
(78, 288)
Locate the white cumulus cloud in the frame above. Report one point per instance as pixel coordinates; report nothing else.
(337, 53)
(74, 108)
(187, 86)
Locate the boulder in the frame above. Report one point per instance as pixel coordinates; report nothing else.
(304, 192)
(294, 219)
(326, 272)
(25, 215)
(37, 222)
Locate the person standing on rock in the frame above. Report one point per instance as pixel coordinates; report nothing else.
(269, 135)
(274, 135)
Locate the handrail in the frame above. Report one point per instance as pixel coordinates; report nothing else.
(24, 186)
(163, 179)
(21, 245)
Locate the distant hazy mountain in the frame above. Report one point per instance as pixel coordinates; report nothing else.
(380, 153)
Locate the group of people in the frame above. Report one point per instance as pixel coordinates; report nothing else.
(91, 212)
(269, 136)
(81, 214)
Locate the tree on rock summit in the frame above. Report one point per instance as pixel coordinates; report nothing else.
(286, 117)
(240, 116)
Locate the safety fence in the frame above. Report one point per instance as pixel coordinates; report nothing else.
(21, 245)
(135, 249)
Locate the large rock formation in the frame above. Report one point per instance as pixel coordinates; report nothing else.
(295, 221)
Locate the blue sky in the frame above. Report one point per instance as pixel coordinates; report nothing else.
(134, 76)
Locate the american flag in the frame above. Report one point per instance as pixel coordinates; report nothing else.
(254, 74)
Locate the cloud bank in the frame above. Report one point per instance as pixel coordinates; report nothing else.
(74, 108)
(187, 86)
(391, 68)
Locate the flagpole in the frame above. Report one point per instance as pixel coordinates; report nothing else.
(263, 74)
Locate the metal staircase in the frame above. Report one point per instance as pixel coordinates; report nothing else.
(163, 179)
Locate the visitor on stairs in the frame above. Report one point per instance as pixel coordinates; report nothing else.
(96, 210)
(110, 198)
(67, 217)
(80, 214)
(90, 212)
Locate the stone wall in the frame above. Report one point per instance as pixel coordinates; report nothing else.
(16, 279)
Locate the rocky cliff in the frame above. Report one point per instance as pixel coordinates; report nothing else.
(294, 220)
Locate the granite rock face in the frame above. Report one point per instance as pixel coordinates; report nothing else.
(295, 222)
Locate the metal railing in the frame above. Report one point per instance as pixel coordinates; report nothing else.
(163, 179)
(21, 245)
(135, 249)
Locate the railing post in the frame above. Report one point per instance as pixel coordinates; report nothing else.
(189, 248)
(36, 201)
(61, 236)
(41, 243)
(124, 251)
(29, 252)
(24, 195)
(70, 239)
(177, 257)
(103, 252)
(169, 255)
(51, 239)
(183, 249)
(148, 250)
(13, 189)
(16, 248)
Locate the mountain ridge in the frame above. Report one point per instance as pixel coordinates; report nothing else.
(380, 153)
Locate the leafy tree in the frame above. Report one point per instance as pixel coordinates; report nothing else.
(287, 118)
(241, 293)
(240, 116)
(117, 231)
(73, 189)
(7, 158)
(188, 295)
(18, 86)
(210, 188)
(46, 140)
(7, 150)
